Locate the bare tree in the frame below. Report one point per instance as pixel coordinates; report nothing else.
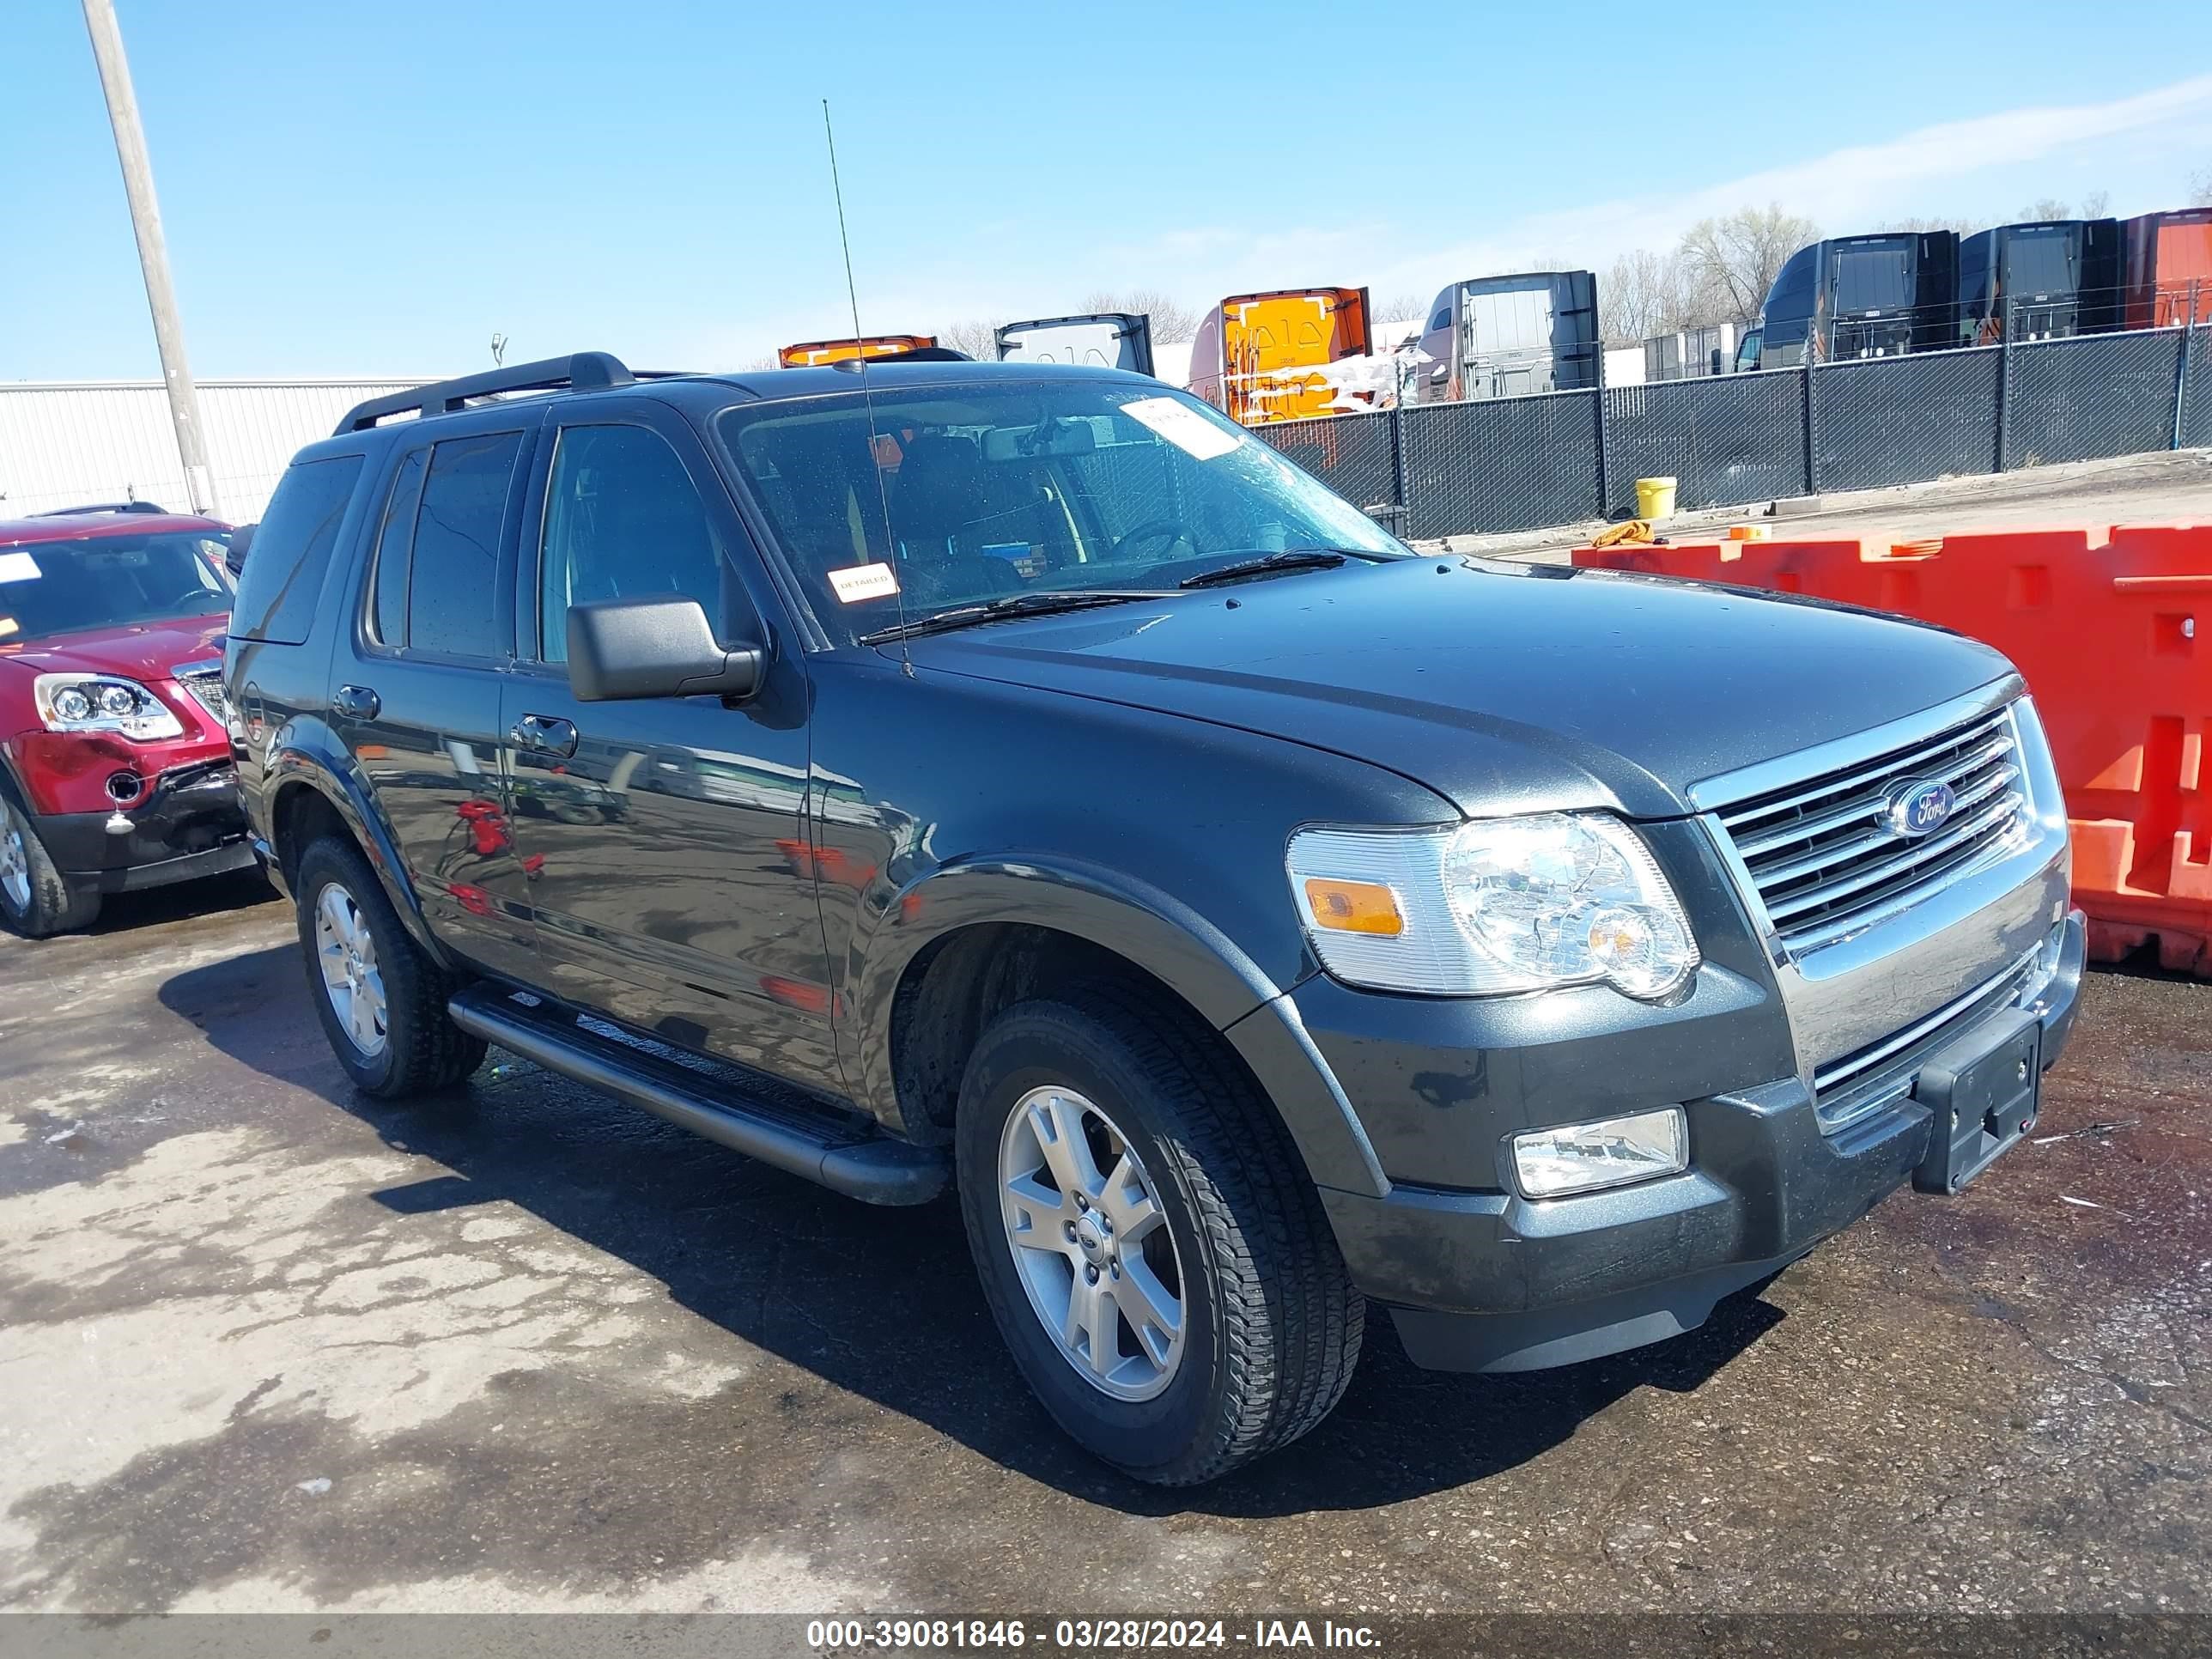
(1644, 293)
(976, 337)
(2200, 189)
(1735, 258)
(1171, 320)
(2057, 207)
(1400, 307)
(1963, 227)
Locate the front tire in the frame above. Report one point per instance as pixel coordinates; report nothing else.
(381, 997)
(1148, 1240)
(36, 900)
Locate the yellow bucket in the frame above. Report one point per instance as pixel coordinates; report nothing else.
(1655, 498)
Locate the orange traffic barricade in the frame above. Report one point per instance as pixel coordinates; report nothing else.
(2109, 637)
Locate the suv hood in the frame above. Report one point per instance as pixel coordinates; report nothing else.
(141, 651)
(1502, 687)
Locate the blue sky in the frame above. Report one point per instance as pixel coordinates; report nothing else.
(355, 189)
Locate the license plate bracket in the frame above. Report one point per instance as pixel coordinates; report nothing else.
(1984, 1090)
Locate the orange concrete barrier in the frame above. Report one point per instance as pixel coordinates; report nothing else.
(2111, 639)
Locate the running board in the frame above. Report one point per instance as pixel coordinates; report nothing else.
(872, 1168)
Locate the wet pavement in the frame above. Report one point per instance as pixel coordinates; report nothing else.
(265, 1343)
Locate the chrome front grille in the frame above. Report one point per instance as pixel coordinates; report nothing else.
(1825, 856)
(204, 681)
(1885, 1071)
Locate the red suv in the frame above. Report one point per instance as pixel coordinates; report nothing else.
(115, 763)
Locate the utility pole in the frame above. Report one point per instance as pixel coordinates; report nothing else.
(153, 250)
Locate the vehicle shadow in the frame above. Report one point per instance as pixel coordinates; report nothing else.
(883, 1302)
(184, 901)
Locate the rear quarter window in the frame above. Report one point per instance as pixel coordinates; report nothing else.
(282, 582)
(451, 608)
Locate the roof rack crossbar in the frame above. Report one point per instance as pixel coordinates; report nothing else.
(100, 506)
(582, 371)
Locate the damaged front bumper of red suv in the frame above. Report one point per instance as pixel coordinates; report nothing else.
(177, 819)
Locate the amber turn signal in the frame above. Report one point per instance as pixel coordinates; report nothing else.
(1354, 907)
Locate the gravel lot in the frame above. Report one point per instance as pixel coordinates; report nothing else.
(265, 1345)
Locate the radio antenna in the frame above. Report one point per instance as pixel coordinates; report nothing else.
(868, 398)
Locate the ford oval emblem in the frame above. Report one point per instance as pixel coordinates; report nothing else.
(1918, 808)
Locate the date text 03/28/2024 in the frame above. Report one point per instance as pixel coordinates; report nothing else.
(1080, 1635)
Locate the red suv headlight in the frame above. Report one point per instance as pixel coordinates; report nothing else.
(103, 702)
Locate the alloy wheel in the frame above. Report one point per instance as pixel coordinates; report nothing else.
(14, 861)
(346, 952)
(1090, 1243)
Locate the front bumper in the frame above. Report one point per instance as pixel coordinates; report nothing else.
(188, 825)
(1492, 1281)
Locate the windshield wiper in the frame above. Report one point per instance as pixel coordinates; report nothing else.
(1292, 558)
(1040, 603)
(1289, 558)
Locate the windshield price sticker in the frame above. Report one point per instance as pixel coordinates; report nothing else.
(18, 567)
(864, 582)
(1183, 426)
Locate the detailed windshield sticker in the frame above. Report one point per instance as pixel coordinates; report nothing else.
(864, 582)
(1182, 426)
(18, 567)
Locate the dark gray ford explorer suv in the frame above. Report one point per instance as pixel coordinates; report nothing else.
(1021, 778)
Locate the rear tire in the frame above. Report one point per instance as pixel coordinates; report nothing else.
(380, 996)
(1268, 1325)
(36, 900)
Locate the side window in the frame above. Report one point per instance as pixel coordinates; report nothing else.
(622, 520)
(387, 610)
(282, 582)
(453, 577)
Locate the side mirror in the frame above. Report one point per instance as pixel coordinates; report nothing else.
(660, 645)
(234, 555)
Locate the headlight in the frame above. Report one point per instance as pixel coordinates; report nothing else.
(1493, 906)
(103, 702)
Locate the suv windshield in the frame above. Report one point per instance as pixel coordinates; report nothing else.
(1022, 487)
(110, 581)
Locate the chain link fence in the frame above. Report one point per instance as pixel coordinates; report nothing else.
(1358, 454)
(2098, 395)
(1881, 420)
(2193, 428)
(1561, 458)
(1500, 464)
(1728, 439)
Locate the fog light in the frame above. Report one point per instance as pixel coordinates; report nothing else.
(1579, 1158)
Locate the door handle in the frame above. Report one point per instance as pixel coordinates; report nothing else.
(358, 701)
(547, 734)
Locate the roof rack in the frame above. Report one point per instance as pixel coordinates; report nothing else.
(101, 506)
(582, 371)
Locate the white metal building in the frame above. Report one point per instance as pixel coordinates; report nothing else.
(66, 443)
